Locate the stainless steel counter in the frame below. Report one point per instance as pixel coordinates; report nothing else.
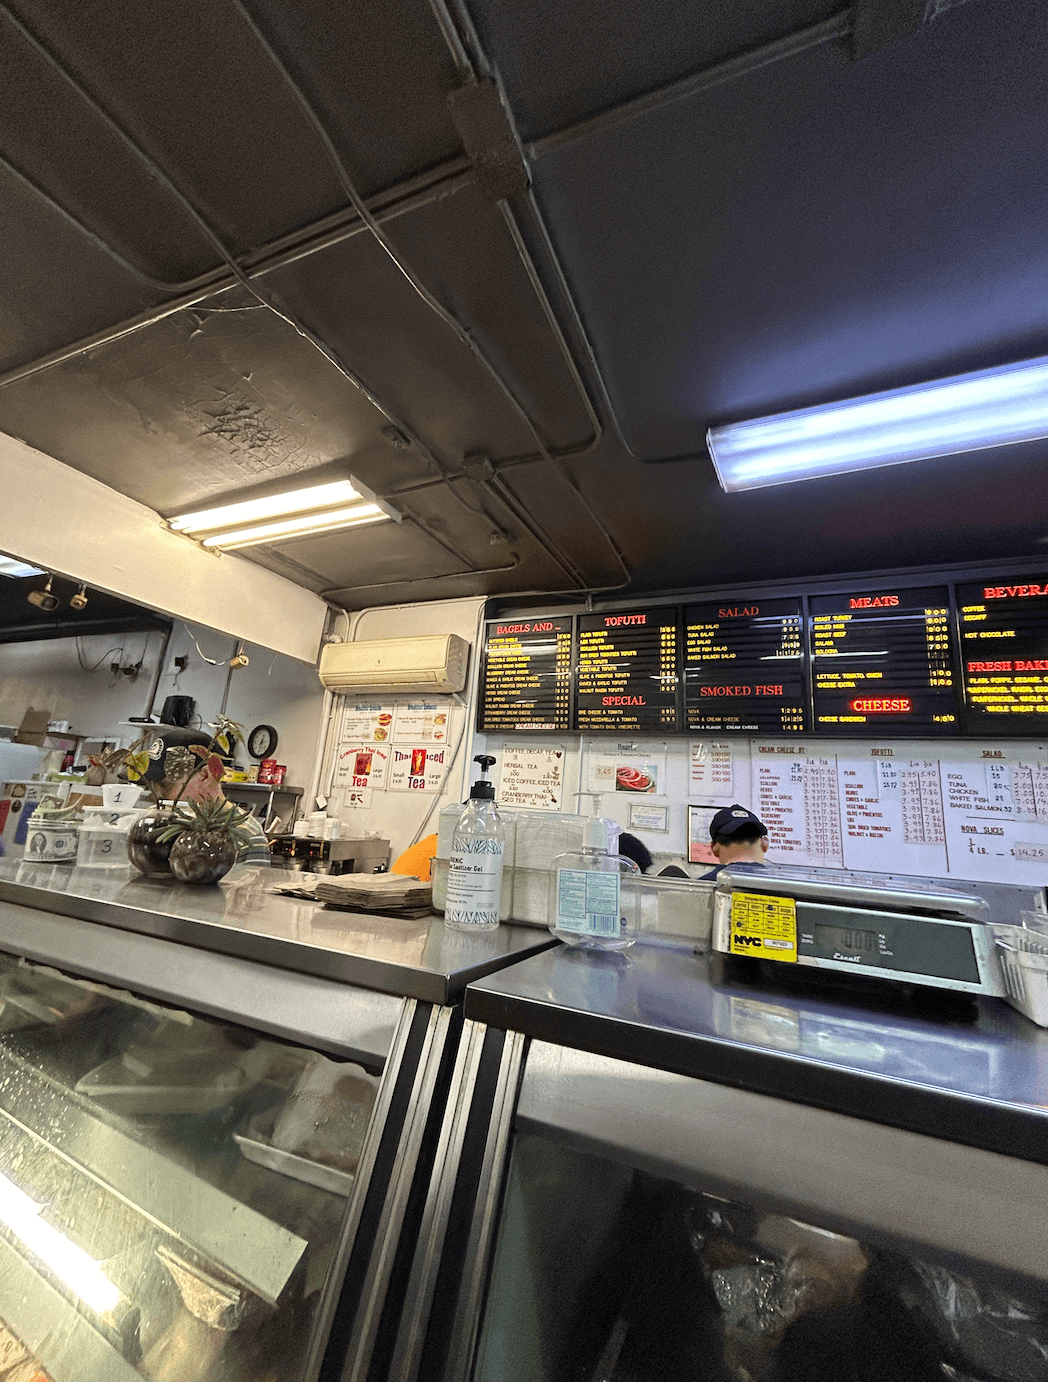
(419, 959)
(982, 1082)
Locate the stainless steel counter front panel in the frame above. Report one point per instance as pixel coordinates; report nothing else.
(840, 1172)
(420, 959)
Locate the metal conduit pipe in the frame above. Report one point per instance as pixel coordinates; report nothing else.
(838, 26)
(463, 334)
(398, 200)
(224, 253)
(92, 238)
(479, 64)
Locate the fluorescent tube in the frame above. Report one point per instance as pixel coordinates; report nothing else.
(969, 412)
(78, 1269)
(11, 566)
(252, 510)
(357, 516)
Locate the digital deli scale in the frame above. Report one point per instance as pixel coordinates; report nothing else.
(909, 930)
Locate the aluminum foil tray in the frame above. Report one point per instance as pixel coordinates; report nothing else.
(254, 1144)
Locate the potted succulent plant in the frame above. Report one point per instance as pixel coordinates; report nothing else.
(191, 774)
(205, 837)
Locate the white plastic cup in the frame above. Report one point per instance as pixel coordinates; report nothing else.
(122, 794)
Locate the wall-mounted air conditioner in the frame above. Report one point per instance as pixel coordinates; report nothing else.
(431, 663)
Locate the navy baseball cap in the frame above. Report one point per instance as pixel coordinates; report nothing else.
(732, 819)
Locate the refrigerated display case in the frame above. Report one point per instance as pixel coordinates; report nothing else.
(657, 1167)
(216, 1106)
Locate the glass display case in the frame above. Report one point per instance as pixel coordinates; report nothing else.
(172, 1188)
(778, 1186)
(218, 1110)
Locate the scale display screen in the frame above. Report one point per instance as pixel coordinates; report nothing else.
(526, 680)
(627, 671)
(1004, 657)
(744, 667)
(881, 663)
(845, 938)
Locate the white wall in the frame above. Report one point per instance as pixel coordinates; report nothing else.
(62, 521)
(400, 816)
(273, 689)
(48, 676)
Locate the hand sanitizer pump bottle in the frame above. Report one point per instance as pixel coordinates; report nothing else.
(587, 905)
(475, 867)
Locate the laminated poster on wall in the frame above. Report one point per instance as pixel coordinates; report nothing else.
(356, 799)
(421, 722)
(629, 768)
(361, 765)
(643, 817)
(531, 778)
(420, 768)
(718, 770)
(699, 851)
(366, 722)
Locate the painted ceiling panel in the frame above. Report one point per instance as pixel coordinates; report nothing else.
(561, 63)
(829, 229)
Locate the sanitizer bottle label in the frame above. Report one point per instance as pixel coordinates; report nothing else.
(588, 902)
(474, 882)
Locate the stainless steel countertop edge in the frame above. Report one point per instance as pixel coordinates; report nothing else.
(960, 1116)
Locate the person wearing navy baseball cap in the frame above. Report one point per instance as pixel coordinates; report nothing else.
(737, 836)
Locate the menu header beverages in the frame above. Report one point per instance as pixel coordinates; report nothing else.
(935, 660)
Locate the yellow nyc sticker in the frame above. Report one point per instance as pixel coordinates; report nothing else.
(764, 926)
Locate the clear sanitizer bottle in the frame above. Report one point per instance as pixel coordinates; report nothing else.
(587, 904)
(478, 848)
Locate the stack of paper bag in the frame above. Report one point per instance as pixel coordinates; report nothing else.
(375, 892)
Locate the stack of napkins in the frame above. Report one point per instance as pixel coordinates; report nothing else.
(375, 892)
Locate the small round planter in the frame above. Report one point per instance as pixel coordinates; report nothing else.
(145, 851)
(202, 856)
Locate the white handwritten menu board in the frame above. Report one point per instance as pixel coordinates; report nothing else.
(881, 663)
(744, 667)
(1004, 657)
(962, 811)
(526, 683)
(627, 671)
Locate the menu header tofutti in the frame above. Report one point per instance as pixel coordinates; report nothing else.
(1004, 656)
(627, 671)
(526, 682)
(744, 667)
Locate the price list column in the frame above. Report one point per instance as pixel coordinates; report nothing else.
(1004, 656)
(744, 667)
(627, 671)
(527, 676)
(882, 664)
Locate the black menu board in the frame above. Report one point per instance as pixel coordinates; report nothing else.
(627, 671)
(526, 679)
(744, 667)
(1004, 656)
(881, 663)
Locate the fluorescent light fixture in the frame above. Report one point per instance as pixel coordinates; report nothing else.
(11, 566)
(356, 517)
(78, 1269)
(297, 513)
(969, 412)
